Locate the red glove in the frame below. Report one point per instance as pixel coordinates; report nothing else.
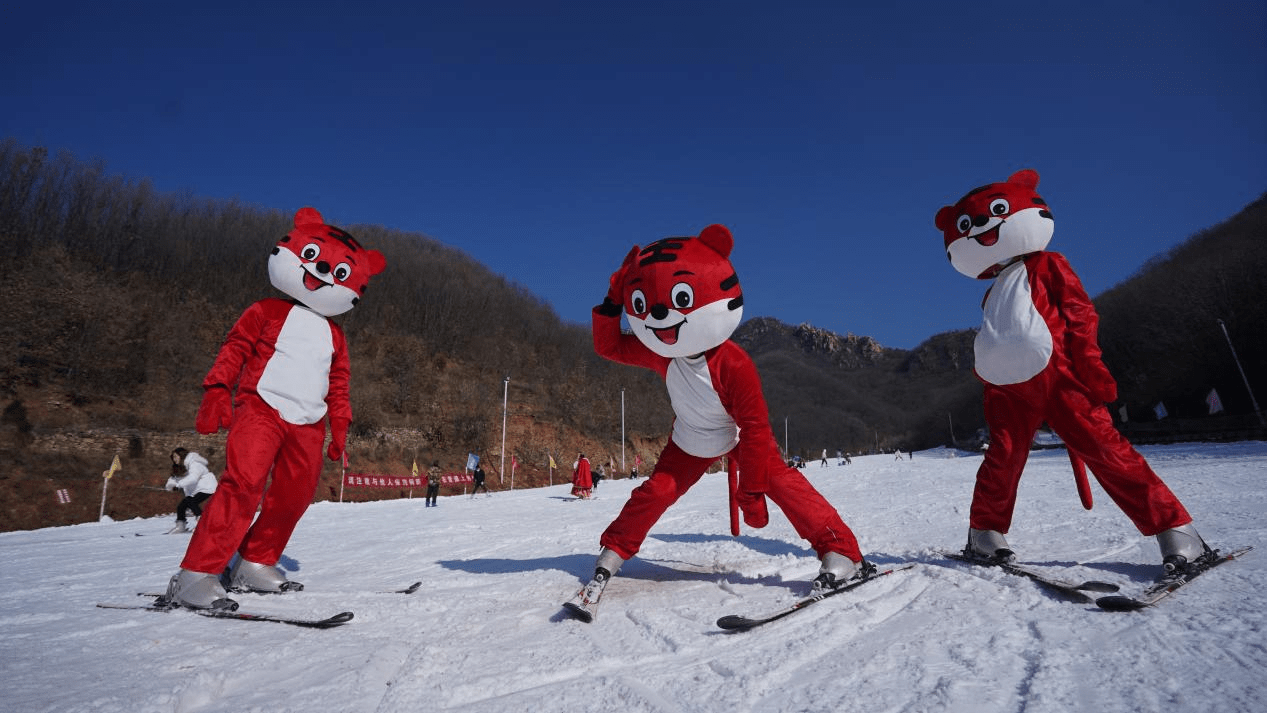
(216, 411)
(754, 509)
(338, 438)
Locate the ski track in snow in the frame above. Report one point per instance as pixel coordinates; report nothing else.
(486, 633)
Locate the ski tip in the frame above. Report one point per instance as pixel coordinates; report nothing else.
(1120, 603)
(579, 612)
(337, 619)
(734, 622)
(411, 588)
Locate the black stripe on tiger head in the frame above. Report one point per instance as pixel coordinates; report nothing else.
(660, 251)
(1045, 212)
(728, 284)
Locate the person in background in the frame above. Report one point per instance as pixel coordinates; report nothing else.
(479, 476)
(433, 483)
(191, 476)
(582, 479)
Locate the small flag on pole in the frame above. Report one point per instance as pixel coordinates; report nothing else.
(472, 461)
(552, 465)
(115, 467)
(514, 463)
(1160, 410)
(63, 496)
(1212, 400)
(415, 471)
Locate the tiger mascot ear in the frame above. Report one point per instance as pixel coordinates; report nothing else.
(718, 238)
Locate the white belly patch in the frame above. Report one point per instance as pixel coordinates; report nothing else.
(702, 426)
(296, 380)
(1014, 343)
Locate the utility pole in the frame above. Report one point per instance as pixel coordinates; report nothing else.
(1253, 401)
(505, 394)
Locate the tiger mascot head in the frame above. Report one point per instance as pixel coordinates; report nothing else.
(681, 295)
(994, 224)
(321, 266)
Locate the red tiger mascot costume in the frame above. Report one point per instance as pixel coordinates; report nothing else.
(289, 365)
(1038, 356)
(683, 301)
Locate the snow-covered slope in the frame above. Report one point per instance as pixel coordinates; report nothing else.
(484, 633)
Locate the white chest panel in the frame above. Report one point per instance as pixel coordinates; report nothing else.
(295, 381)
(1014, 343)
(702, 428)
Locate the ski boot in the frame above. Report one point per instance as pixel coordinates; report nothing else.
(247, 576)
(197, 590)
(837, 570)
(181, 527)
(1182, 550)
(988, 547)
(584, 605)
(605, 567)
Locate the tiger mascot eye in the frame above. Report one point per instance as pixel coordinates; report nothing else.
(282, 371)
(682, 300)
(1038, 355)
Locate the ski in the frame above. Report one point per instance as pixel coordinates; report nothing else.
(1169, 585)
(1077, 591)
(326, 623)
(407, 590)
(735, 622)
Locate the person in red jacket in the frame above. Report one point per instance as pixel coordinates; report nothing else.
(582, 479)
(683, 301)
(1038, 356)
(289, 366)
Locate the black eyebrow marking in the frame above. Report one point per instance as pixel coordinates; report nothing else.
(659, 251)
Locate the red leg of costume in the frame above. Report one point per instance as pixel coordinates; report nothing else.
(256, 438)
(295, 475)
(676, 472)
(1014, 413)
(1013, 416)
(1088, 430)
(811, 515)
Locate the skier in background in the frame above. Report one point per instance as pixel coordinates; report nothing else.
(190, 475)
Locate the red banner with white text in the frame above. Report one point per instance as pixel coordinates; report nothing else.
(363, 480)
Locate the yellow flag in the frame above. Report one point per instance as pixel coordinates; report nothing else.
(115, 467)
(415, 468)
(552, 465)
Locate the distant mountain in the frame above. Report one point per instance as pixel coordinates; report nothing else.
(850, 393)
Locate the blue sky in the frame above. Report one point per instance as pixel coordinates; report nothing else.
(544, 139)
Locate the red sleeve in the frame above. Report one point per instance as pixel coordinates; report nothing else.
(1082, 324)
(238, 347)
(611, 343)
(739, 388)
(338, 403)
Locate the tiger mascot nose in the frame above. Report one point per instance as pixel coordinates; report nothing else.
(659, 311)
